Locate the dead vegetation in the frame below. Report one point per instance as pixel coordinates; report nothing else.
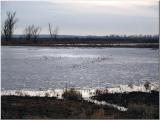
(141, 105)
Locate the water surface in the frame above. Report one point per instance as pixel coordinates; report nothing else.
(51, 67)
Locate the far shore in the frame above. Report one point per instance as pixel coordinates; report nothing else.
(116, 45)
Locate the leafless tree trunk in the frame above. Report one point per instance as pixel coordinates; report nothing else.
(53, 32)
(50, 30)
(28, 32)
(36, 31)
(32, 32)
(9, 24)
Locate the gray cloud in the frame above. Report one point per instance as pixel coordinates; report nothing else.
(86, 18)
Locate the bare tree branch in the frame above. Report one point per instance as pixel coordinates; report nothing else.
(50, 30)
(32, 32)
(9, 24)
(36, 31)
(28, 32)
(53, 32)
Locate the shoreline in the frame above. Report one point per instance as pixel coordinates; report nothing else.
(113, 45)
(119, 102)
(135, 105)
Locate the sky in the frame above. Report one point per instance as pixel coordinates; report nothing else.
(86, 17)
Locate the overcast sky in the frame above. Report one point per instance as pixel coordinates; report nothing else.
(86, 17)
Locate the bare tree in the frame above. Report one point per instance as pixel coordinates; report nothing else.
(32, 32)
(28, 32)
(36, 31)
(50, 30)
(9, 24)
(53, 32)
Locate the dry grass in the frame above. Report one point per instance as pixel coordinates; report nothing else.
(72, 94)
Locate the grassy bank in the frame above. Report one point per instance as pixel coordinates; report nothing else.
(139, 104)
(45, 107)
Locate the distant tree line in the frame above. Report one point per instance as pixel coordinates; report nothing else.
(32, 36)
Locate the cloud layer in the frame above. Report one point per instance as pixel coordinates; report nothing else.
(87, 17)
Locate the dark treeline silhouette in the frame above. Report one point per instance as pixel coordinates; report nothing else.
(84, 39)
(32, 36)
